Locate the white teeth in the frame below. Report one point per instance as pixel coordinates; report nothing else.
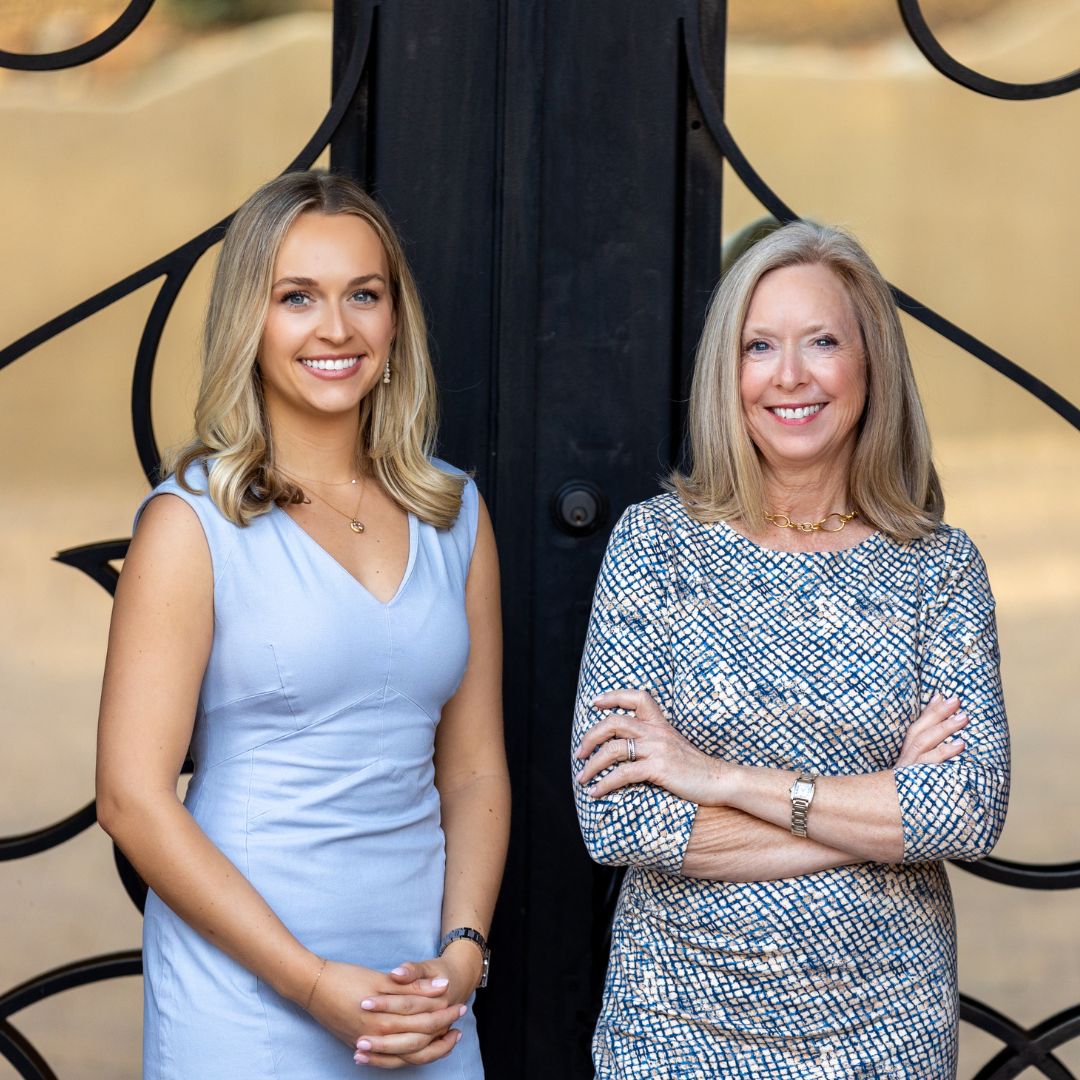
(796, 414)
(332, 365)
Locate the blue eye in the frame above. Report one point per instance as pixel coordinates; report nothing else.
(365, 296)
(295, 299)
(826, 341)
(755, 347)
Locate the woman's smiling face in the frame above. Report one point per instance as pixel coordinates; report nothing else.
(802, 376)
(331, 320)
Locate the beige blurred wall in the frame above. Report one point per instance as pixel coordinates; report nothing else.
(968, 203)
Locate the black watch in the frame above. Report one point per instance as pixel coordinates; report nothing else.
(472, 935)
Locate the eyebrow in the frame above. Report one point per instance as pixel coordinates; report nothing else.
(310, 283)
(764, 331)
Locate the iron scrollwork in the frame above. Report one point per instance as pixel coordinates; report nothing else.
(125, 24)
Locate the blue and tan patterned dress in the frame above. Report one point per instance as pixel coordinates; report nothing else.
(790, 660)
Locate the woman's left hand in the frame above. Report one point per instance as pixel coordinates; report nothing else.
(646, 749)
(456, 974)
(461, 964)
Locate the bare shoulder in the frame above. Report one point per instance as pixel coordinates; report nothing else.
(484, 568)
(169, 549)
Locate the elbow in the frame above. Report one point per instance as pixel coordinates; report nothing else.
(986, 819)
(982, 838)
(110, 810)
(602, 848)
(121, 810)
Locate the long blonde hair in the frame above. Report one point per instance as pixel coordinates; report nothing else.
(398, 421)
(893, 481)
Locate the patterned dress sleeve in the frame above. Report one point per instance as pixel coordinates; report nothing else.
(956, 810)
(628, 646)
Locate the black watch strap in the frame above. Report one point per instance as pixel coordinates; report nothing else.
(474, 936)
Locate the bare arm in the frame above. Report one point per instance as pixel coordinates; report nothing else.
(742, 829)
(470, 766)
(159, 643)
(730, 845)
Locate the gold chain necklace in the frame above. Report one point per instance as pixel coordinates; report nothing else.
(782, 521)
(353, 519)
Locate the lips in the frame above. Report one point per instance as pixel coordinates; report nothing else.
(794, 413)
(330, 363)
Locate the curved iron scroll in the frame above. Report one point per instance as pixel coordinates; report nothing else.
(951, 68)
(14, 1046)
(1025, 1048)
(125, 24)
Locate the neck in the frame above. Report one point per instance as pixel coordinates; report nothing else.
(807, 495)
(325, 450)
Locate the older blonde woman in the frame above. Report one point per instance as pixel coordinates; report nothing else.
(311, 601)
(790, 710)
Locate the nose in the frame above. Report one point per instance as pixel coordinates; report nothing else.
(333, 326)
(790, 370)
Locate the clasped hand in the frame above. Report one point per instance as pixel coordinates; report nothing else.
(667, 759)
(395, 1019)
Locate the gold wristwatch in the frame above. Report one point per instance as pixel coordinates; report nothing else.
(802, 795)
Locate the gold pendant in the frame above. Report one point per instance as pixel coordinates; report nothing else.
(356, 526)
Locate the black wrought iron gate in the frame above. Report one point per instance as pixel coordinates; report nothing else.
(555, 169)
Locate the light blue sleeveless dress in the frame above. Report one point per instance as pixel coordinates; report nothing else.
(313, 750)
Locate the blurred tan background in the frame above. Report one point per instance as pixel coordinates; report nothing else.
(970, 204)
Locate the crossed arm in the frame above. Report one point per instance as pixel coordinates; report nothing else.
(680, 810)
(741, 828)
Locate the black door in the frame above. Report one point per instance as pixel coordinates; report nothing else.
(561, 206)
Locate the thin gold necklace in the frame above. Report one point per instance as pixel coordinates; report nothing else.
(353, 519)
(782, 521)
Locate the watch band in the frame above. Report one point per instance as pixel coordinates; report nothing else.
(480, 941)
(802, 795)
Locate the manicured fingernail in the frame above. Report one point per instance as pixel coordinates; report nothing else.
(935, 698)
(367, 1003)
(962, 716)
(459, 1034)
(361, 1059)
(400, 971)
(363, 1044)
(462, 1011)
(440, 983)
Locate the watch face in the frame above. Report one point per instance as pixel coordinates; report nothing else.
(802, 790)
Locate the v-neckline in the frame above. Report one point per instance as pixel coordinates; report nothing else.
(347, 572)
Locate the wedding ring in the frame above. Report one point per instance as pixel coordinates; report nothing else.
(631, 751)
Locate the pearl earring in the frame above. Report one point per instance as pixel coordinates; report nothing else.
(386, 373)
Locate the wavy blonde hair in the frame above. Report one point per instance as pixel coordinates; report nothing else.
(893, 482)
(398, 421)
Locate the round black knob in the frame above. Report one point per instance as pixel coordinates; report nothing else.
(579, 507)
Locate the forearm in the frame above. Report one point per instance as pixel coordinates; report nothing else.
(857, 815)
(730, 845)
(205, 889)
(476, 823)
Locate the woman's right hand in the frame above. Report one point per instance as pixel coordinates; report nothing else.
(927, 740)
(415, 1037)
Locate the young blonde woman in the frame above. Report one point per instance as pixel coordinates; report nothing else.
(790, 711)
(310, 601)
